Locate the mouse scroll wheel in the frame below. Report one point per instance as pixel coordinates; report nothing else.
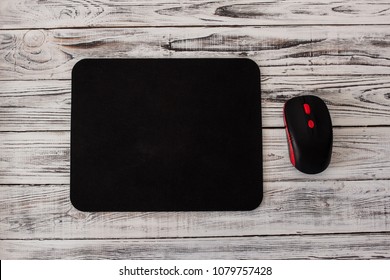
(306, 107)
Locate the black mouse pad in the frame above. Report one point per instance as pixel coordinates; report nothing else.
(166, 135)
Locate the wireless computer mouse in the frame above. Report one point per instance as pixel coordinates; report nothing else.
(309, 133)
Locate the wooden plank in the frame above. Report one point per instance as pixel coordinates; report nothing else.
(56, 13)
(33, 157)
(353, 101)
(345, 246)
(35, 105)
(305, 50)
(38, 212)
(358, 154)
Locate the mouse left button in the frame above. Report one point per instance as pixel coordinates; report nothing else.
(306, 108)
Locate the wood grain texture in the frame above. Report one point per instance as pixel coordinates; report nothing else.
(45, 212)
(337, 50)
(35, 105)
(358, 154)
(307, 50)
(343, 246)
(68, 13)
(44, 105)
(34, 157)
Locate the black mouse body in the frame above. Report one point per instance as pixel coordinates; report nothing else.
(309, 133)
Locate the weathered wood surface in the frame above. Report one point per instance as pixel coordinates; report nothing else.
(68, 13)
(44, 105)
(341, 246)
(338, 50)
(35, 105)
(45, 212)
(358, 154)
(305, 50)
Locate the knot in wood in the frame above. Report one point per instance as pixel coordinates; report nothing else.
(34, 38)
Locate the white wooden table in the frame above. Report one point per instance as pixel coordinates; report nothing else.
(338, 50)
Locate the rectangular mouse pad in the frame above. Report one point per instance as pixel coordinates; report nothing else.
(166, 135)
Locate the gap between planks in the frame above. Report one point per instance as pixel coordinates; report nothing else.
(262, 75)
(188, 26)
(205, 237)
